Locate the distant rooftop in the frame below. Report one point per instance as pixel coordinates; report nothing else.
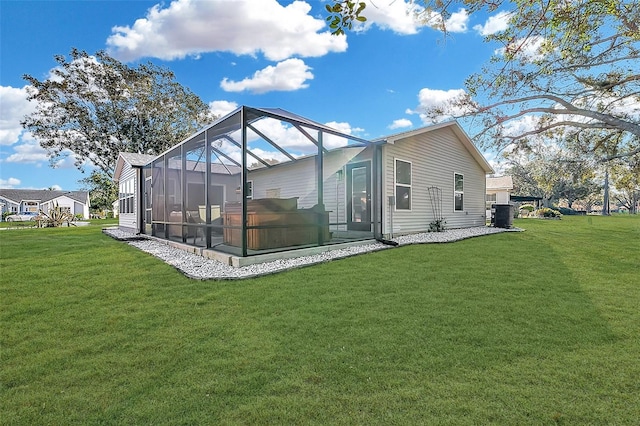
(502, 182)
(42, 195)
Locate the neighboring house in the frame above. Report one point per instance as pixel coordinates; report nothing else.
(221, 189)
(131, 190)
(35, 200)
(499, 190)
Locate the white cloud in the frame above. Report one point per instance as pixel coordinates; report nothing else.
(407, 17)
(287, 137)
(28, 152)
(9, 183)
(222, 108)
(628, 107)
(457, 22)
(288, 75)
(399, 16)
(499, 167)
(440, 101)
(13, 108)
(400, 123)
(521, 125)
(494, 24)
(525, 49)
(243, 27)
(268, 155)
(344, 127)
(331, 142)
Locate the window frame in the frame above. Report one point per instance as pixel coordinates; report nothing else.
(397, 184)
(30, 206)
(126, 196)
(249, 190)
(457, 192)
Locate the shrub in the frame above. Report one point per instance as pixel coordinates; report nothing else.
(437, 225)
(567, 211)
(56, 217)
(527, 207)
(547, 212)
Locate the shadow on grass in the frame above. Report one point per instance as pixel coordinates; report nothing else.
(420, 328)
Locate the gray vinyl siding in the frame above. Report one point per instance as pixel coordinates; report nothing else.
(128, 221)
(435, 157)
(298, 179)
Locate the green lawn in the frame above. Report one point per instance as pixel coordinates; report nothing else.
(538, 327)
(32, 224)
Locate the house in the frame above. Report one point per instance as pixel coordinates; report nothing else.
(35, 200)
(264, 180)
(131, 190)
(498, 190)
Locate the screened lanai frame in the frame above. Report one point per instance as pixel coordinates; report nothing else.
(262, 180)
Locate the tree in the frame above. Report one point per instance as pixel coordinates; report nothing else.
(576, 182)
(95, 107)
(103, 191)
(552, 175)
(566, 70)
(342, 14)
(625, 174)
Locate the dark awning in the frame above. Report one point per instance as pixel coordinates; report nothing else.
(522, 198)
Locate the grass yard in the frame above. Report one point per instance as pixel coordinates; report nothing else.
(539, 327)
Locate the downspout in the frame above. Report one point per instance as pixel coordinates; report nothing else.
(391, 204)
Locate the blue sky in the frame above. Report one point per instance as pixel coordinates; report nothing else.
(264, 53)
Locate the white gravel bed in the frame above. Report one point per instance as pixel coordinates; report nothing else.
(198, 267)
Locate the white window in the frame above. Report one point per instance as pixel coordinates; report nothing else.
(403, 184)
(250, 189)
(126, 196)
(30, 206)
(458, 192)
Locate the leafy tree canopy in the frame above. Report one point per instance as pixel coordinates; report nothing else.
(94, 107)
(552, 175)
(567, 70)
(625, 174)
(103, 191)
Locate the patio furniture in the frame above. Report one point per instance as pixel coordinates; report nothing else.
(284, 224)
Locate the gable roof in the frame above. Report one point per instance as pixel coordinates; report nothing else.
(42, 195)
(137, 160)
(456, 128)
(133, 159)
(500, 182)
